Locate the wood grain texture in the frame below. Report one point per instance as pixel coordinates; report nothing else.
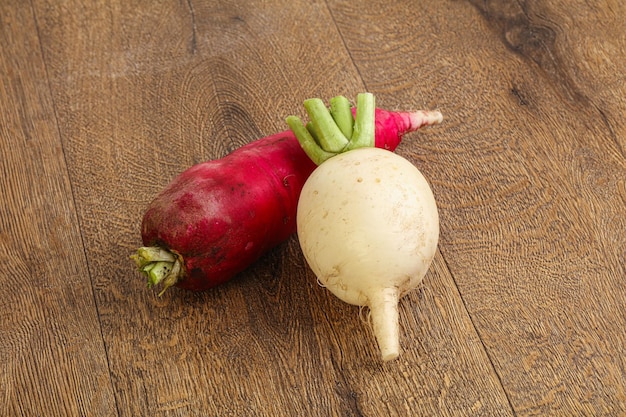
(251, 347)
(52, 356)
(528, 173)
(522, 311)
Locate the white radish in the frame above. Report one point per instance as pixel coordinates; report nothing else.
(367, 220)
(368, 227)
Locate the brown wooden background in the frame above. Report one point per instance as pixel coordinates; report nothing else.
(522, 312)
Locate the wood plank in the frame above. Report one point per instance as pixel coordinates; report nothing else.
(529, 172)
(143, 91)
(52, 357)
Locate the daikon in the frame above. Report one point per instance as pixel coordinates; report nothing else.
(367, 224)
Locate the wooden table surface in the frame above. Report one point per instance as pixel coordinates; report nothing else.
(522, 312)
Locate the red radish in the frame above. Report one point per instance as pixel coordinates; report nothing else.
(367, 221)
(218, 217)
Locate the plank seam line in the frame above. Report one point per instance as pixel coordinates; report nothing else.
(194, 42)
(491, 362)
(345, 45)
(74, 202)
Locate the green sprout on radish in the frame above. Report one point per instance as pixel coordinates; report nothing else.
(335, 130)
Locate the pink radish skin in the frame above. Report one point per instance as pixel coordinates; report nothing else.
(220, 216)
(390, 126)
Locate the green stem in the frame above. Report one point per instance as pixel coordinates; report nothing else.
(365, 123)
(330, 136)
(308, 143)
(159, 265)
(330, 132)
(312, 128)
(342, 114)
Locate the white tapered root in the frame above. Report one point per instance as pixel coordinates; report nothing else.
(384, 315)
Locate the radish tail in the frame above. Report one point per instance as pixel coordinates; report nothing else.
(392, 125)
(423, 118)
(385, 322)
